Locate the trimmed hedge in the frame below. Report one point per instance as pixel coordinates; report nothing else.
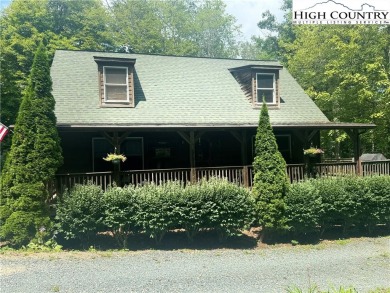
(160, 208)
(80, 212)
(155, 209)
(120, 211)
(219, 205)
(312, 206)
(316, 205)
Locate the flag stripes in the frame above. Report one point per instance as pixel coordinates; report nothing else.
(3, 131)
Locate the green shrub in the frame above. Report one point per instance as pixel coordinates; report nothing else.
(336, 203)
(226, 207)
(376, 206)
(29, 197)
(33, 159)
(192, 210)
(21, 227)
(24, 200)
(5, 212)
(270, 182)
(80, 212)
(159, 209)
(304, 207)
(346, 201)
(359, 192)
(121, 209)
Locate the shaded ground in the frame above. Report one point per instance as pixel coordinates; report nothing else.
(209, 240)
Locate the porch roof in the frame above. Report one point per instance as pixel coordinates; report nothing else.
(172, 92)
(303, 126)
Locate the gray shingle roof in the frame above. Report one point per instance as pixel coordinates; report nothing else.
(172, 91)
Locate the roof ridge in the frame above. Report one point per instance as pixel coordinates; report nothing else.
(177, 56)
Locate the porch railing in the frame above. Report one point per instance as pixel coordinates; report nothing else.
(67, 181)
(158, 175)
(335, 169)
(296, 172)
(233, 174)
(375, 168)
(242, 175)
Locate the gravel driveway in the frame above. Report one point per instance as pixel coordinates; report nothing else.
(361, 263)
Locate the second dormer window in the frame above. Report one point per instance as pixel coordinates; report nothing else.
(265, 88)
(116, 84)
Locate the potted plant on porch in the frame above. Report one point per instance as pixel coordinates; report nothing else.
(311, 153)
(115, 158)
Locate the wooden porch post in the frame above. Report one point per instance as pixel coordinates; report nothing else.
(244, 159)
(116, 141)
(242, 139)
(192, 156)
(244, 149)
(190, 139)
(354, 134)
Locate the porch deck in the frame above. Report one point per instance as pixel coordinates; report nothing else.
(242, 175)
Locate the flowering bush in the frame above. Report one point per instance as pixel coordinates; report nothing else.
(115, 157)
(313, 151)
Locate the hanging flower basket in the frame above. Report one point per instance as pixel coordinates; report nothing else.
(313, 152)
(115, 158)
(116, 161)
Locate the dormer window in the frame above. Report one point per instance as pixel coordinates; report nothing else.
(116, 84)
(259, 82)
(265, 88)
(116, 81)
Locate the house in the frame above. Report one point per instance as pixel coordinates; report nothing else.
(178, 112)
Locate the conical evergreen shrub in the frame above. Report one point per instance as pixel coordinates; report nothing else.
(34, 157)
(270, 178)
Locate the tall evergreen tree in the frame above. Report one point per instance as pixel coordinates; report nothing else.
(270, 180)
(34, 157)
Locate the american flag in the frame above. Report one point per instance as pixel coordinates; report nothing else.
(3, 131)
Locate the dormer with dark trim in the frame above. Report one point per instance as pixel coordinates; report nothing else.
(116, 81)
(259, 82)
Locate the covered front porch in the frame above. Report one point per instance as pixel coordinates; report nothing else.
(156, 147)
(169, 148)
(156, 154)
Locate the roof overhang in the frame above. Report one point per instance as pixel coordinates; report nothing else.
(327, 125)
(100, 59)
(287, 126)
(256, 67)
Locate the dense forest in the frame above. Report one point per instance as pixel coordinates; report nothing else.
(345, 69)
